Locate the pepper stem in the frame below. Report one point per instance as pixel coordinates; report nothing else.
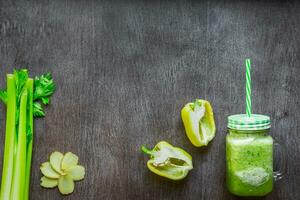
(195, 103)
(146, 150)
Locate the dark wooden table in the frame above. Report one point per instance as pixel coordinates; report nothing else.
(124, 69)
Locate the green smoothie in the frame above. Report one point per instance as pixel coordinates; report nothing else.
(249, 162)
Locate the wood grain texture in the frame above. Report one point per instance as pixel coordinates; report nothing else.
(124, 69)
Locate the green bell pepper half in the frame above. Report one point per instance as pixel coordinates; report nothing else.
(168, 161)
(199, 123)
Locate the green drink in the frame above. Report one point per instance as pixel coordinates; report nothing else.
(249, 150)
(249, 158)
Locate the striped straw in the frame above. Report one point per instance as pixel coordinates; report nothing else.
(248, 88)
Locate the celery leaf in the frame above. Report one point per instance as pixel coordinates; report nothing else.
(43, 88)
(3, 96)
(38, 110)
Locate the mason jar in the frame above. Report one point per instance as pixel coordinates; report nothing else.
(249, 155)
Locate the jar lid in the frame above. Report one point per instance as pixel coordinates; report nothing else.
(243, 122)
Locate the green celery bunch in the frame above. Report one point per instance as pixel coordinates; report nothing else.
(24, 99)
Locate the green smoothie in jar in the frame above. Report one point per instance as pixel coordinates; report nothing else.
(249, 155)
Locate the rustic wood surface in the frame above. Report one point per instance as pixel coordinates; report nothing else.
(124, 69)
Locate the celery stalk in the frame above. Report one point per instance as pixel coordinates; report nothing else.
(25, 99)
(8, 160)
(29, 138)
(17, 190)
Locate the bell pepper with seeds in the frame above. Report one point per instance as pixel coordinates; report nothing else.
(168, 161)
(198, 120)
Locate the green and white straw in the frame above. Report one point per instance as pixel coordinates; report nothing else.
(248, 88)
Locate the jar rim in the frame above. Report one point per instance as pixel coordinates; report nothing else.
(244, 122)
(247, 131)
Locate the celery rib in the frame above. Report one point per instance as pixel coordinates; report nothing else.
(20, 163)
(8, 160)
(30, 142)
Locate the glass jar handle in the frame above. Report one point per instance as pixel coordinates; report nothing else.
(281, 170)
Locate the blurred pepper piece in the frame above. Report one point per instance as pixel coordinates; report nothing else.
(199, 123)
(168, 161)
